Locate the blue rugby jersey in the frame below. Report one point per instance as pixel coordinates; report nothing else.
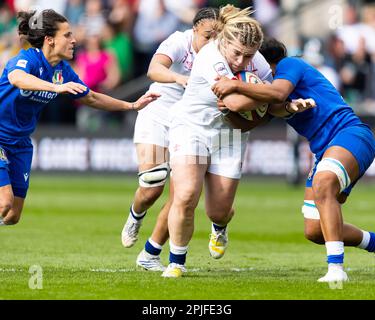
(318, 125)
(20, 109)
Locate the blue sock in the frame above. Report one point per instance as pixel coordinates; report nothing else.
(149, 248)
(371, 244)
(177, 258)
(218, 228)
(335, 252)
(338, 259)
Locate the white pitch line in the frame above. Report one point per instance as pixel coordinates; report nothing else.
(11, 270)
(105, 270)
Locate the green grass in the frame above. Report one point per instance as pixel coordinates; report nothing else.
(71, 228)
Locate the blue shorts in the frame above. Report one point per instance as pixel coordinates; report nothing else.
(15, 166)
(360, 142)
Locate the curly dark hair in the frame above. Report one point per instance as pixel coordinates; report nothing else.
(35, 26)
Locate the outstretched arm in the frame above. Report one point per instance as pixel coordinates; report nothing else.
(102, 101)
(26, 81)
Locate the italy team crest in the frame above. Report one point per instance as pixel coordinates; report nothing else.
(57, 77)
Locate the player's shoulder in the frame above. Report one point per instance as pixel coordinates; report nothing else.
(24, 59)
(181, 36)
(260, 67)
(296, 61)
(29, 54)
(176, 42)
(258, 61)
(209, 49)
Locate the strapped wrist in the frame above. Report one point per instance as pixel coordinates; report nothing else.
(286, 108)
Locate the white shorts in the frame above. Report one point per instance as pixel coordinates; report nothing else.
(149, 130)
(225, 147)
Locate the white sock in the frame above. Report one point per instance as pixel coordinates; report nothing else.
(133, 214)
(2, 222)
(365, 240)
(155, 244)
(335, 266)
(335, 248)
(176, 249)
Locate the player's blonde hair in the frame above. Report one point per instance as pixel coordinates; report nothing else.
(236, 24)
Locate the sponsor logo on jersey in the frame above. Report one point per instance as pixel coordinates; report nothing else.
(38, 96)
(40, 71)
(57, 77)
(26, 93)
(21, 63)
(221, 69)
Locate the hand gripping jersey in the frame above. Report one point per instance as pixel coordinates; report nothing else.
(20, 109)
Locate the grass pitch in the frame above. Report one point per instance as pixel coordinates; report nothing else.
(71, 229)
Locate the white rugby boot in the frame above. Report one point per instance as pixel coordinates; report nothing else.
(335, 274)
(129, 234)
(149, 261)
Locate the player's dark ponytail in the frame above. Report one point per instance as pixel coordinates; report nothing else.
(34, 26)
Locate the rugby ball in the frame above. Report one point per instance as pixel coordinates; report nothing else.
(259, 112)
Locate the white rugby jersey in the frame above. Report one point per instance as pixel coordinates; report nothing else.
(198, 105)
(178, 47)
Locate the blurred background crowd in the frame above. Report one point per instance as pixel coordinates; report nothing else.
(117, 38)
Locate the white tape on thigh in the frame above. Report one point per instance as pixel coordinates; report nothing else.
(310, 211)
(154, 177)
(335, 166)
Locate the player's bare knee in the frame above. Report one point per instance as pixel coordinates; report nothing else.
(185, 201)
(220, 214)
(325, 187)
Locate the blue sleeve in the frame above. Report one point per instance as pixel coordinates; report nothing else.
(72, 76)
(291, 69)
(23, 61)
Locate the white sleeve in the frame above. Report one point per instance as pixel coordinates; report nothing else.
(209, 65)
(261, 67)
(173, 47)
